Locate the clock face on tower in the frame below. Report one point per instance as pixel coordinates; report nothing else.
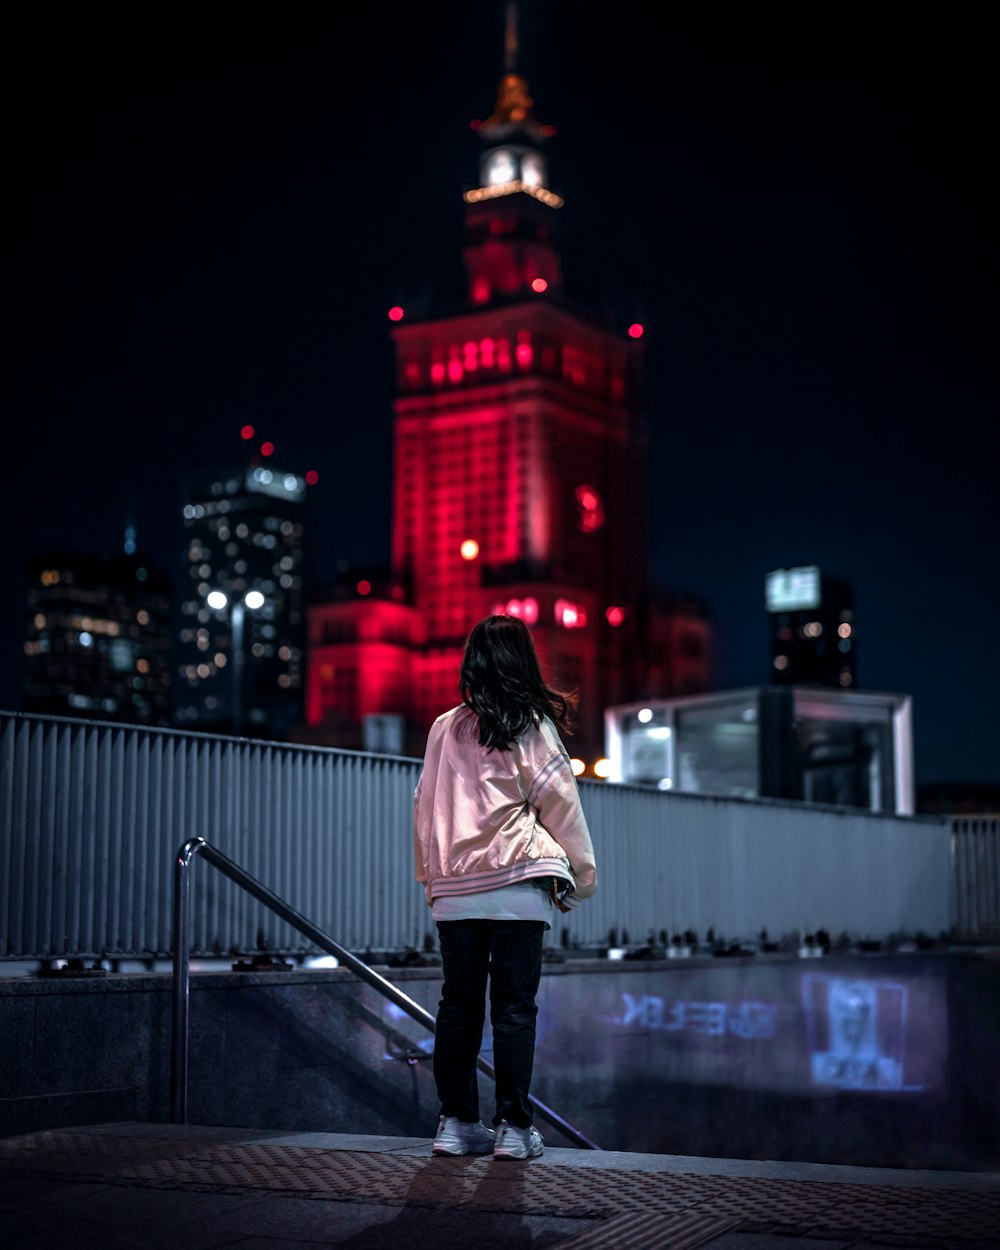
(532, 170)
(500, 167)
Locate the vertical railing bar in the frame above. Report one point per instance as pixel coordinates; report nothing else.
(181, 982)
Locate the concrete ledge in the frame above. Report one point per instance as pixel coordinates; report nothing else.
(701, 1057)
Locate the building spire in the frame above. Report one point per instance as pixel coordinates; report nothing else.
(512, 110)
(510, 40)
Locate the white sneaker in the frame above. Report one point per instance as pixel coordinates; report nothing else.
(517, 1143)
(455, 1138)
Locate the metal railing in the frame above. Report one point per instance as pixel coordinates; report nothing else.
(183, 865)
(91, 815)
(975, 857)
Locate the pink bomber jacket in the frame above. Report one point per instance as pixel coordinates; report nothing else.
(483, 819)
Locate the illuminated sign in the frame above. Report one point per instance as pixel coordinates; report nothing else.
(843, 1030)
(792, 590)
(866, 1034)
(857, 1032)
(744, 1019)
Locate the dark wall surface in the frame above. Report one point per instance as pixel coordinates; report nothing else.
(881, 1060)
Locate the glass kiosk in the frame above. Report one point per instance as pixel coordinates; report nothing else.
(844, 748)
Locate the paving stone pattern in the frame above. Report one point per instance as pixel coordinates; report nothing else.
(622, 1209)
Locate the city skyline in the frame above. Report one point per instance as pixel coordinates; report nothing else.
(217, 218)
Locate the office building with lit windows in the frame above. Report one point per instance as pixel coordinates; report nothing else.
(237, 666)
(519, 453)
(97, 638)
(813, 634)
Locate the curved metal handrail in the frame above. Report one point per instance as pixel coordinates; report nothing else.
(181, 975)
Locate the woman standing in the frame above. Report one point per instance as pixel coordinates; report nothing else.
(500, 839)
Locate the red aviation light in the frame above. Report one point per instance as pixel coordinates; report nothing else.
(636, 330)
(615, 616)
(247, 433)
(312, 477)
(395, 313)
(267, 449)
(364, 587)
(539, 285)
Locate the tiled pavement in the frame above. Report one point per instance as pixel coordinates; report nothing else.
(153, 1186)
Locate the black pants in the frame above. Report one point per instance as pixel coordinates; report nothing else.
(509, 952)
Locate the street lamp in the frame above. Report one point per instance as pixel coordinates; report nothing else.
(253, 600)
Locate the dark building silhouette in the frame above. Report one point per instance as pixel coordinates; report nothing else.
(519, 457)
(97, 638)
(237, 667)
(813, 639)
(964, 799)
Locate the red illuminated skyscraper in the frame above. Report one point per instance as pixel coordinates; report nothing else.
(518, 482)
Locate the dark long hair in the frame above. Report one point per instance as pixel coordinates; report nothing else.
(501, 682)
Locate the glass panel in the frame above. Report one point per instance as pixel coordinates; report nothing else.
(846, 763)
(646, 750)
(718, 749)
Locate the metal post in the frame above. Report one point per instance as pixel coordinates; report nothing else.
(179, 1051)
(237, 634)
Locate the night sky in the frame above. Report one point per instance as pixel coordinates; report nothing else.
(216, 204)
